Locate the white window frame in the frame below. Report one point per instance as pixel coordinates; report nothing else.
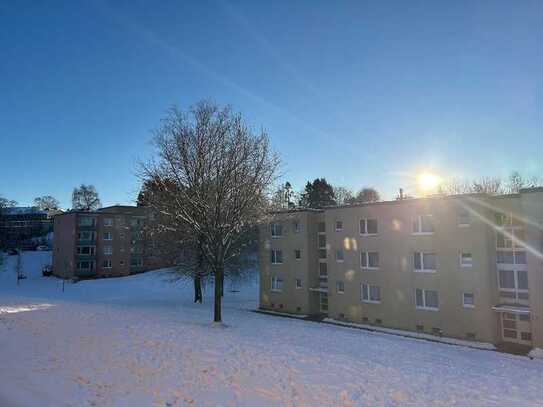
(92, 250)
(91, 264)
(464, 300)
(108, 222)
(365, 288)
(466, 265)
(275, 283)
(298, 286)
(419, 231)
(365, 231)
(273, 256)
(424, 269)
(110, 234)
(108, 252)
(338, 289)
(366, 256)
(109, 264)
(516, 290)
(273, 230)
(297, 227)
(296, 251)
(340, 228)
(424, 306)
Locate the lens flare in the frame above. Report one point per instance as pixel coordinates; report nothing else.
(428, 182)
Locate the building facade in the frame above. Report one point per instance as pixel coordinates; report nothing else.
(108, 242)
(20, 226)
(466, 266)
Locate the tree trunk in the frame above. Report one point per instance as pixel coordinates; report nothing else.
(222, 284)
(198, 288)
(218, 293)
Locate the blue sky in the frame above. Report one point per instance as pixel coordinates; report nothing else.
(360, 93)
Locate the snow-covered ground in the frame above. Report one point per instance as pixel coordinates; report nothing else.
(140, 341)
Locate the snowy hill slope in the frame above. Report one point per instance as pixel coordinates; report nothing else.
(140, 341)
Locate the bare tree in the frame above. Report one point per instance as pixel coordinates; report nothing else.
(283, 197)
(487, 185)
(215, 174)
(7, 203)
(515, 182)
(85, 198)
(455, 186)
(343, 195)
(46, 202)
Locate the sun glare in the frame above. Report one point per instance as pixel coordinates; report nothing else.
(428, 182)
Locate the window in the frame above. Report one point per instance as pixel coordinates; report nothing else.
(136, 262)
(340, 287)
(369, 260)
(108, 250)
(297, 254)
(339, 225)
(339, 255)
(106, 264)
(424, 262)
(371, 293)
(469, 300)
(87, 221)
(276, 256)
(322, 241)
(323, 270)
(108, 222)
(136, 222)
(526, 336)
(368, 226)
(296, 227)
(121, 262)
(466, 260)
(108, 236)
(427, 299)
(276, 284)
(298, 283)
(85, 265)
(321, 227)
(86, 250)
(464, 218)
(276, 230)
(513, 279)
(86, 235)
(423, 224)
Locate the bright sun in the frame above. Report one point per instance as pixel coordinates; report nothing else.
(428, 181)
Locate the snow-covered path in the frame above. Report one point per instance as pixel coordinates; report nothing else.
(140, 341)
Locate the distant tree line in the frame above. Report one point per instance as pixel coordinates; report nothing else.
(320, 194)
(490, 185)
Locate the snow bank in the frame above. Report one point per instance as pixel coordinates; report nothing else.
(414, 335)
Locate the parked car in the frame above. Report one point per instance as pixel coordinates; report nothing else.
(42, 248)
(12, 252)
(47, 270)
